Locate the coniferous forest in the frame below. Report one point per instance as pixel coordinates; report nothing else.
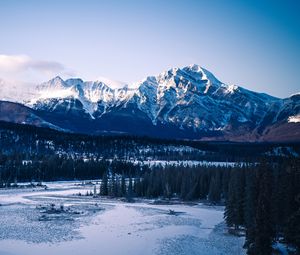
(260, 192)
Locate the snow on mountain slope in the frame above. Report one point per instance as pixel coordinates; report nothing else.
(15, 91)
(284, 110)
(188, 100)
(192, 97)
(90, 94)
(294, 119)
(189, 97)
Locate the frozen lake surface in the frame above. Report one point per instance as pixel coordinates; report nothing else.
(58, 221)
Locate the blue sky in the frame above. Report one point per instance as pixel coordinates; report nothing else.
(254, 44)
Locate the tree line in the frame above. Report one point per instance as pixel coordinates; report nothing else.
(30, 141)
(265, 201)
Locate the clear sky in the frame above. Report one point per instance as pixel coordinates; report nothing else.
(251, 43)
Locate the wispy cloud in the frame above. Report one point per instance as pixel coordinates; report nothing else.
(13, 63)
(19, 74)
(23, 63)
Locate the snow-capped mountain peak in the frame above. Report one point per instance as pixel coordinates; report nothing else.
(54, 88)
(54, 84)
(90, 94)
(202, 73)
(190, 78)
(189, 99)
(163, 98)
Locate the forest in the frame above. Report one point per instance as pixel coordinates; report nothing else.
(261, 193)
(30, 141)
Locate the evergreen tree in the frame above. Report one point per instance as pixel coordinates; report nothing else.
(123, 186)
(263, 224)
(234, 209)
(167, 191)
(250, 205)
(104, 185)
(292, 230)
(95, 190)
(214, 194)
(185, 185)
(137, 187)
(292, 226)
(129, 194)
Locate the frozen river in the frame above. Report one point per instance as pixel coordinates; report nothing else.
(59, 221)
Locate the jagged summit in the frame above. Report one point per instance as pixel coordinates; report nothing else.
(188, 97)
(192, 77)
(55, 83)
(186, 102)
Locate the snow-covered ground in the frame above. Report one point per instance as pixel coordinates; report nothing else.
(88, 225)
(190, 163)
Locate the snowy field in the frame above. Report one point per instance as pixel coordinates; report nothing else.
(75, 224)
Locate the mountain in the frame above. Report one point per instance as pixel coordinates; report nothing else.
(187, 102)
(18, 113)
(15, 91)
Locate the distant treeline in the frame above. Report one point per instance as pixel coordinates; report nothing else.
(31, 141)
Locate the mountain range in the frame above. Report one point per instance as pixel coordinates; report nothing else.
(183, 103)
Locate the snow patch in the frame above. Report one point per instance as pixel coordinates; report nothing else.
(231, 88)
(294, 119)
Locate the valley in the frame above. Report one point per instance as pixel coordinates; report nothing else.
(107, 225)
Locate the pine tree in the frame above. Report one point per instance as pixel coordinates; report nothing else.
(214, 194)
(95, 190)
(137, 187)
(263, 224)
(234, 209)
(185, 185)
(292, 226)
(123, 186)
(118, 187)
(104, 185)
(112, 187)
(250, 205)
(167, 191)
(129, 194)
(230, 208)
(225, 181)
(292, 230)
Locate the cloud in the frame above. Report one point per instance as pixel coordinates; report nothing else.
(23, 72)
(112, 83)
(20, 74)
(13, 63)
(23, 63)
(46, 66)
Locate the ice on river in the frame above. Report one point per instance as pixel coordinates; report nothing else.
(57, 221)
